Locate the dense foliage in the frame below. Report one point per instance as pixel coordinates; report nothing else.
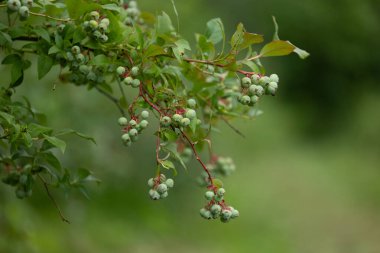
(141, 64)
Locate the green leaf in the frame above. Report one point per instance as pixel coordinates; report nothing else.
(217, 182)
(301, 53)
(36, 130)
(168, 165)
(164, 24)
(42, 33)
(44, 65)
(58, 143)
(50, 159)
(54, 50)
(277, 48)
(77, 8)
(5, 39)
(100, 60)
(179, 51)
(242, 39)
(153, 50)
(215, 30)
(9, 118)
(71, 131)
(111, 7)
(171, 148)
(275, 35)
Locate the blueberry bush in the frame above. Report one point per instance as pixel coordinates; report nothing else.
(153, 76)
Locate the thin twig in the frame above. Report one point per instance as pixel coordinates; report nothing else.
(113, 99)
(232, 127)
(47, 16)
(53, 200)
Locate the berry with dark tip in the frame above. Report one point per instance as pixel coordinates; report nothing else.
(245, 82)
(209, 195)
(120, 70)
(165, 121)
(135, 71)
(122, 121)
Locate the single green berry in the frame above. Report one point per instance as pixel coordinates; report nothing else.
(255, 78)
(132, 4)
(274, 78)
(144, 114)
(209, 195)
(165, 121)
(264, 80)
(75, 50)
(24, 11)
(122, 121)
(256, 90)
(69, 56)
(205, 213)
(126, 138)
(245, 82)
(133, 132)
(105, 21)
(154, 194)
(151, 182)
(177, 118)
(162, 178)
(23, 179)
(80, 58)
(245, 100)
(191, 102)
(27, 2)
(92, 76)
(254, 99)
(13, 5)
(216, 209)
(161, 188)
(135, 71)
(185, 122)
(93, 24)
(169, 182)
(95, 15)
(226, 214)
(272, 88)
(128, 80)
(120, 70)
(20, 193)
(132, 123)
(221, 192)
(103, 38)
(164, 195)
(234, 213)
(136, 83)
(84, 69)
(191, 114)
(97, 34)
(144, 124)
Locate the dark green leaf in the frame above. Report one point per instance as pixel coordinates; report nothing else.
(44, 64)
(58, 143)
(42, 33)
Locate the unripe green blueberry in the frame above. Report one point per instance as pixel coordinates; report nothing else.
(126, 138)
(80, 58)
(95, 15)
(234, 213)
(84, 69)
(162, 178)
(144, 114)
(20, 193)
(164, 195)
(205, 213)
(216, 209)
(256, 90)
(122, 121)
(69, 56)
(272, 88)
(191, 102)
(132, 4)
(221, 192)
(75, 50)
(23, 179)
(177, 118)
(97, 34)
(154, 194)
(132, 123)
(245, 100)
(144, 124)
(255, 78)
(86, 24)
(27, 2)
(161, 188)
(224, 220)
(24, 11)
(93, 24)
(133, 132)
(103, 38)
(135, 71)
(274, 78)
(245, 82)
(128, 21)
(185, 122)
(264, 80)
(254, 99)
(105, 21)
(91, 76)
(209, 195)
(191, 114)
(120, 70)
(165, 121)
(135, 83)
(151, 182)
(14, 5)
(226, 214)
(169, 182)
(128, 80)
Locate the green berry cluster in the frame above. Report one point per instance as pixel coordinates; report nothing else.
(224, 166)
(22, 7)
(133, 127)
(131, 13)
(183, 117)
(129, 77)
(159, 187)
(216, 207)
(97, 26)
(22, 180)
(252, 88)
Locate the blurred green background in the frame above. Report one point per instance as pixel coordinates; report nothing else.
(308, 170)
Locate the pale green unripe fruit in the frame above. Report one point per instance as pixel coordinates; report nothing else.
(218, 198)
(120, 70)
(246, 82)
(144, 123)
(216, 209)
(128, 80)
(169, 182)
(20, 193)
(135, 71)
(105, 21)
(24, 11)
(177, 117)
(27, 2)
(75, 50)
(162, 178)
(135, 83)
(103, 38)
(23, 179)
(84, 69)
(205, 213)
(254, 99)
(154, 194)
(185, 122)
(209, 195)
(256, 90)
(191, 102)
(191, 114)
(123, 121)
(264, 80)
(133, 132)
(164, 195)
(14, 5)
(226, 214)
(144, 114)
(161, 188)
(126, 138)
(80, 58)
(132, 4)
(91, 76)
(221, 192)
(272, 88)
(69, 56)
(151, 182)
(274, 78)
(93, 24)
(245, 100)
(165, 121)
(95, 15)
(132, 123)
(97, 34)
(255, 78)
(234, 213)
